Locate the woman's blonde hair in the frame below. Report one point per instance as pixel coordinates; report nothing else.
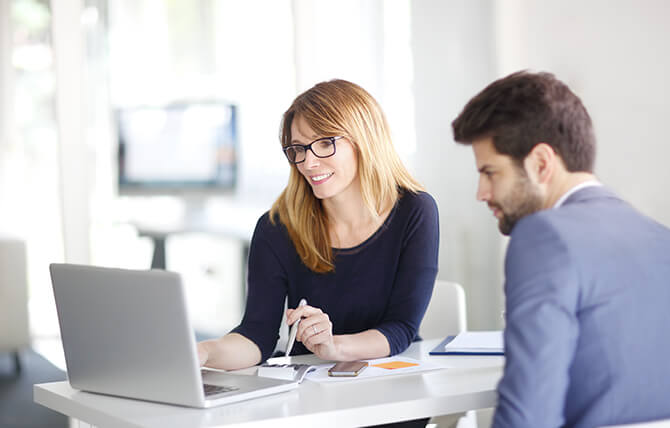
(339, 108)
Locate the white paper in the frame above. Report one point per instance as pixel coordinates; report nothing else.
(476, 341)
(321, 373)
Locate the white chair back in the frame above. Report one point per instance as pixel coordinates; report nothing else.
(446, 313)
(446, 316)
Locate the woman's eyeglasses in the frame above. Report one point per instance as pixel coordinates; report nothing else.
(322, 148)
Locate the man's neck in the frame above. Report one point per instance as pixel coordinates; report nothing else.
(564, 184)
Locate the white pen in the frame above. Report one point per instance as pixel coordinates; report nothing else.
(294, 331)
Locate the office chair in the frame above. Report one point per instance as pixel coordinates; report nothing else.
(446, 316)
(446, 313)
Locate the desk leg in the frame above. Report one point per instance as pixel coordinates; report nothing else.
(158, 259)
(17, 362)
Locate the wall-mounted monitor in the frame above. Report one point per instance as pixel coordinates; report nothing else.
(181, 148)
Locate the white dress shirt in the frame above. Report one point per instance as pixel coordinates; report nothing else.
(580, 186)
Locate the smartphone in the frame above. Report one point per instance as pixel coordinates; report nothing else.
(347, 368)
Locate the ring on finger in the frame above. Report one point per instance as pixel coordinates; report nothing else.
(314, 329)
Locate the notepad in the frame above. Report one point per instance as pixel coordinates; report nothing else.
(476, 341)
(472, 343)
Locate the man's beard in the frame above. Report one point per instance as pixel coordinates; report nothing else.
(523, 199)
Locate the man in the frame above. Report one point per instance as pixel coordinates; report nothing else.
(587, 278)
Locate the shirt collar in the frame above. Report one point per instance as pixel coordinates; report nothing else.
(578, 187)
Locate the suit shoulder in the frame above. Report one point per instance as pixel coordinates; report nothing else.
(540, 228)
(559, 219)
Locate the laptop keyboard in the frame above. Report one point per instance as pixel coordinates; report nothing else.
(217, 389)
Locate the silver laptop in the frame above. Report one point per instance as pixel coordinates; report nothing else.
(127, 333)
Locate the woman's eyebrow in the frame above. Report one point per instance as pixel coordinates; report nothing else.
(313, 138)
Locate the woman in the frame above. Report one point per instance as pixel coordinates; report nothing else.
(353, 234)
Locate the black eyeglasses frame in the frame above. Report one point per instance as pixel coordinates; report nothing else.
(309, 147)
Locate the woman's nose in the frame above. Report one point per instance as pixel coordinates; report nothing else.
(311, 161)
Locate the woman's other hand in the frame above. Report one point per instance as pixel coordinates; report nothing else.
(315, 331)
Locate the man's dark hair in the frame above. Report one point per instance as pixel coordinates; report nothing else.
(524, 109)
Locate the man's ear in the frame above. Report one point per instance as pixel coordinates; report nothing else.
(540, 163)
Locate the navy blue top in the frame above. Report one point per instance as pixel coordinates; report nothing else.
(385, 283)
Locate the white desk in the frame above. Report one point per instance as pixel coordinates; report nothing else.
(468, 383)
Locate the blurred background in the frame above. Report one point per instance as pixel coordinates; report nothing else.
(144, 133)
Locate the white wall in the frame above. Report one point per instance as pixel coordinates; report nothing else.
(8, 155)
(613, 54)
(76, 163)
(453, 58)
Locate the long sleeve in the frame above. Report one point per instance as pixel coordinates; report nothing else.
(415, 276)
(266, 292)
(541, 333)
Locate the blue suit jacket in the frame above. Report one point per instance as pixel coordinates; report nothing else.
(587, 336)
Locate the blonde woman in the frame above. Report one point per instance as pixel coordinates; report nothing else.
(353, 233)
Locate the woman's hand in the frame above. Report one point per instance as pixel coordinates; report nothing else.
(230, 352)
(203, 353)
(315, 331)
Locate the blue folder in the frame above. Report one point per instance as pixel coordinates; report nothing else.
(439, 350)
